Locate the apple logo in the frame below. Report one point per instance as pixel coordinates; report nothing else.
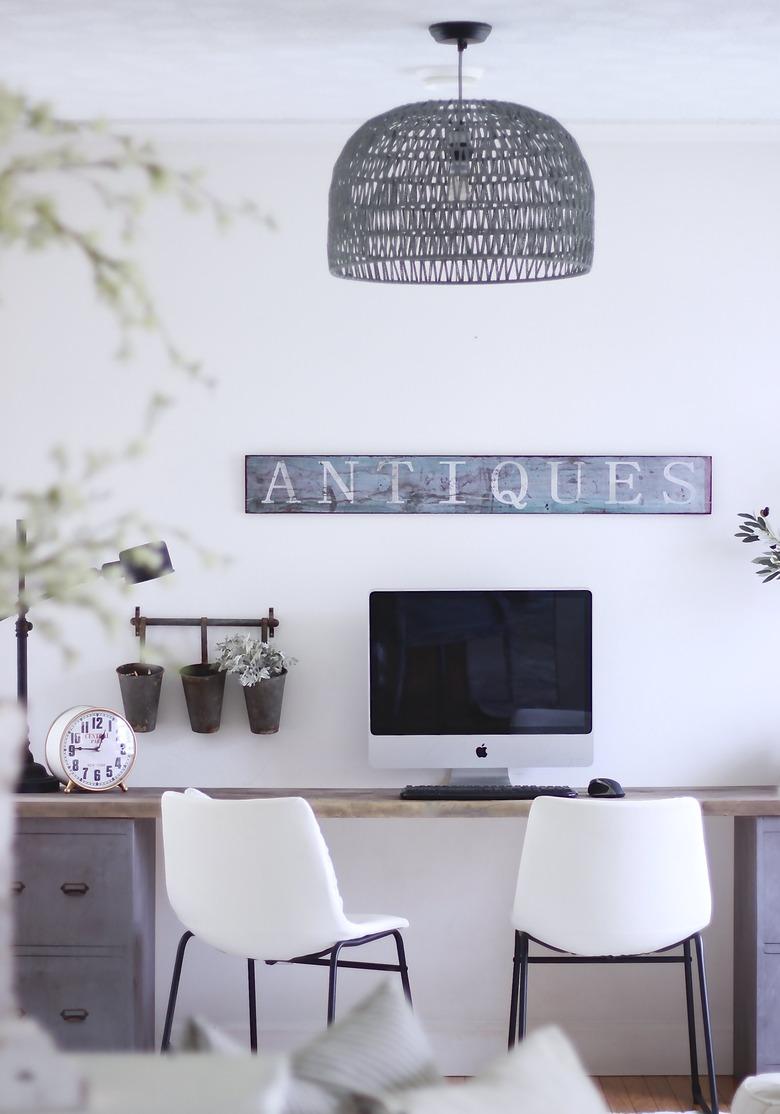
(481, 751)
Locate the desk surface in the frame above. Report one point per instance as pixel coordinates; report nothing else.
(144, 804)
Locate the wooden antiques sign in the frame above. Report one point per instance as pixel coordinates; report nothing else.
(478, 484)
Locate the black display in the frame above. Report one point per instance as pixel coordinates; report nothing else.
(480, 663)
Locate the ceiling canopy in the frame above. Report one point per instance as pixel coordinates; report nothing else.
(600, 60)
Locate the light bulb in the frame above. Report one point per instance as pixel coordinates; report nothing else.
(459, 184)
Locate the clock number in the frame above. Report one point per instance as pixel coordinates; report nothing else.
(96, 775)
(74, 765)
(97, 723)
(109, 771)
(122, 749)
(110, 727)
(71, 750)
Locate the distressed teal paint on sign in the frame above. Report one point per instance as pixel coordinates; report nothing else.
(450, 484)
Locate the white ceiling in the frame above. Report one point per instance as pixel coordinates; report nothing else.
(692, 60)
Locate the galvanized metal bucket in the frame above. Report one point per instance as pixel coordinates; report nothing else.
(264, 704)
(204, 687)
(140, 685)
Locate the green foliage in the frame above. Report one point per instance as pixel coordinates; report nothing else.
(42, 158)
(754, 528)
(121, 174)
(252, 659)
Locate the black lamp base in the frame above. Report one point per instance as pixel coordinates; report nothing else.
(36, 778)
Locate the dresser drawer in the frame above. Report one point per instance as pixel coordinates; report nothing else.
(73, 888)
(76, 998)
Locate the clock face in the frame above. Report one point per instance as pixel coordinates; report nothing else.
(97, 748)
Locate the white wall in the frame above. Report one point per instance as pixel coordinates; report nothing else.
(670, 345)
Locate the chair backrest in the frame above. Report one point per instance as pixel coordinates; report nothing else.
(253, 878)
(613, 877)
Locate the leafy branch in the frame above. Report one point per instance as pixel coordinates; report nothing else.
(754, 528)
(41, 159)
(66, 543)
(122, 173)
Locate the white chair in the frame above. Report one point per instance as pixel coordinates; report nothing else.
(254, 879)
(610, 882)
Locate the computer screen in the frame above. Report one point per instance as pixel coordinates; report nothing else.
(507, 670)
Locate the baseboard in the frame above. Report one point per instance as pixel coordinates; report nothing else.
(614, 1048)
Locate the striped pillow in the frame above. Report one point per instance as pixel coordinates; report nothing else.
(376, 1049)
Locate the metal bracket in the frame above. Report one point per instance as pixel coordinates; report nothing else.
(267, 623)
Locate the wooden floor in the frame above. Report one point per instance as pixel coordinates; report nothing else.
(648, 1093)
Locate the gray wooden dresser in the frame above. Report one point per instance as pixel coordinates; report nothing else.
(84, 904)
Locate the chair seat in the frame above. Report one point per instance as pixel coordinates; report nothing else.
(568, 939)
(366, 924)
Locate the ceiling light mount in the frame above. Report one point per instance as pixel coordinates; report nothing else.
(460, 32)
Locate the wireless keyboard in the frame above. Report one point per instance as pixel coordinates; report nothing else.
(484, 792)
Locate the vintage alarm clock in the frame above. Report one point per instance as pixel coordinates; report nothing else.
(90, 748)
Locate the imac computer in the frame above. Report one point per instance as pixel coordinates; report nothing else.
(480, 681)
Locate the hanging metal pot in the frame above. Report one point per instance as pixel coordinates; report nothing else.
(204, 687)
(264, 704)
(140, 684)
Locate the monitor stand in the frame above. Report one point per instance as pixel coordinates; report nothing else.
(479, 775)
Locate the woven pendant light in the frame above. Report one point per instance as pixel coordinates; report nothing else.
(460, 192)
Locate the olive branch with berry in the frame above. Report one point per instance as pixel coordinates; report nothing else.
(754, 528)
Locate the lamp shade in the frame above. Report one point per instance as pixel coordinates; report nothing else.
(141, 563)
(522, 209)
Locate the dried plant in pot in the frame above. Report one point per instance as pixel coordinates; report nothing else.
(262, 671)
(140, 684)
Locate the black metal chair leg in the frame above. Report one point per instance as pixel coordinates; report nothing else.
(513, 997)
(333, 967)
(696, 1092)
(174, 991)
(523, 1002)
(250, 966)
(705, 1012)
(403, 970)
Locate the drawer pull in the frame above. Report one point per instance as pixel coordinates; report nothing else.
(74, 1015)
(17, 887)
(75, 889)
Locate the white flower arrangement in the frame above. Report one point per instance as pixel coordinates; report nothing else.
(252, 659)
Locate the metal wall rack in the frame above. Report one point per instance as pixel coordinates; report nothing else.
(268, 624)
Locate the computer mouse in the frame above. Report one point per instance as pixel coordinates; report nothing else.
(605, 787)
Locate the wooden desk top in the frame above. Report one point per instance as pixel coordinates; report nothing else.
(144, 804)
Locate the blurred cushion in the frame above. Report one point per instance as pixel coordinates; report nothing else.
(758, 1094)
(199, 1035)
(376, 1049)
(542, 1075)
